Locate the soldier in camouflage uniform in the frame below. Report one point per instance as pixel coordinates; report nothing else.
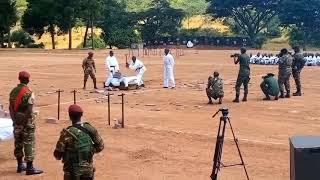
(89, 69)
(297, 66)
(244, 74)
(76, 146)
(215, 88)
(285, 71)
(270, 87)
(21, 112)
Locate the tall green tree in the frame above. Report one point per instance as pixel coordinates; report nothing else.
(41, 17)
(90, 11)
(304, 18)
(252, 16)
(118, 25)
(67, 16)
(160, 21)
(8, 18)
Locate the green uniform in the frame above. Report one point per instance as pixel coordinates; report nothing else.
(23, 122)
(270, 86)
(297, 65)
(244, 74)
(285, 71)
(76, 147)
(215, 87)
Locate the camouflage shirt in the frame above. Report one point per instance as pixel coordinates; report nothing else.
(88, 64)
(298, 61)
(215, 85)
(285, 64)
(244, 61)
(66, 147)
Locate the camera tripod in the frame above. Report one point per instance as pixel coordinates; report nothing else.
(224, 119)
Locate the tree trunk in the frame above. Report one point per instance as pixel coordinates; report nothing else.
(92, 34)
(9, 39)
(86, 35)
(70, 38)
(51, 29)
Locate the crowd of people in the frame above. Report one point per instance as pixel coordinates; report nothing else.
(311, 59)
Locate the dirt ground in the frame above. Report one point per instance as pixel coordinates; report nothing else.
(169, 134)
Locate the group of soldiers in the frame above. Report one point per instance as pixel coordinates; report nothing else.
(311, 59)
(288, 65)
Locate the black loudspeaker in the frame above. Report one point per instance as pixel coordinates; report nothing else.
(305, 158)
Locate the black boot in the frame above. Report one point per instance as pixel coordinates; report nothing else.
(276, 98)
(281, 94)
(245, 98)
(32, 170)
(95, 83)
(267, 98)
(84, 84)
(236, 100)
(298, 93)
(21, 167)
(288, 94)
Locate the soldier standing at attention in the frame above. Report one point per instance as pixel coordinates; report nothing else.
(215, 88)
(21, 112)
(297, 66)
(76, 146)
(285, 71)
(244, 74)
(89, 68)
(270, 87)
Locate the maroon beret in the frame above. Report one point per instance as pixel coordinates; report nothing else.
(75, 109)
(24, 74)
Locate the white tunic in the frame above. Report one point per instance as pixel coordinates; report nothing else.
(112, 64)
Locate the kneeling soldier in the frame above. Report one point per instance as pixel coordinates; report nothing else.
(215, 88)
(270, 86)
(76, 146)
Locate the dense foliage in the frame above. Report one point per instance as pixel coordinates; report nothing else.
(130, 21)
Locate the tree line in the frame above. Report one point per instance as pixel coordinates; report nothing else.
(129, 21)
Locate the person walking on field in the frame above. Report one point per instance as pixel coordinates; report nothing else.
(76, 146)
(168, 67)
(244, 74)
(89, 69)
(21, 112)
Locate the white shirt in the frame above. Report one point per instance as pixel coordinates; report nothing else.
(189, 44)
(168, 61)
(137, 65)
(112, 64)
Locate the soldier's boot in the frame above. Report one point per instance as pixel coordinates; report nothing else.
(276, 98)
(245, 98)
(95, 83)
(298, 93)
(220, 100)
(267, 98)
(84, 84)
(21, 167)
(281, 94)
(236, 100)
(32, 170)
(288, 94)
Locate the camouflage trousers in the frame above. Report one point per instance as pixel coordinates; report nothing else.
(71, 176)
(214, 94)
(284, 81)
(24, 137)
(296, 76)
(242, 80)
(89, 72)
